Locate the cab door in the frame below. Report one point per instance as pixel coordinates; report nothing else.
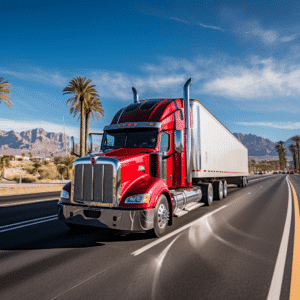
(166, 146)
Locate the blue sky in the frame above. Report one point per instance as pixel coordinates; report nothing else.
(243, 57)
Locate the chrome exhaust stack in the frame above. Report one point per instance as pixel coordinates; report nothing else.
(188, 138)
(135, 95)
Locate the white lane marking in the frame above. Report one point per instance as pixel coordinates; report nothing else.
(276, 283)
(158, 241)
(28, 202)
(27, 223)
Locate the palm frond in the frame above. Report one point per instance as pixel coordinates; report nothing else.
(4, 89)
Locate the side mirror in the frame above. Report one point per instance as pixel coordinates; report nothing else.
(94, 142)
(178, 141)
(72, 147)
(90, 143)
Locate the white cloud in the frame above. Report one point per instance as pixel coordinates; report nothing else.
(267, 79)
(20, 125)
(289, 38)
(37, 75)
(287, 125)
(196, 23)
(118, 85)
(267, 36)
(270, 37)
(253, 78)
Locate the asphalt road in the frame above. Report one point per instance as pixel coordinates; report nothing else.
(230, 250)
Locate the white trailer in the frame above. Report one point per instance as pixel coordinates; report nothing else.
(216, 152)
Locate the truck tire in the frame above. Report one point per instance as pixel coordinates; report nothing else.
(161, 217)
(225, 191)
(243, 182)
(218, 189)
(207, 193)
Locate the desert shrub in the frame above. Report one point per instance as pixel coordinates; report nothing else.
(57, 160)
(27, 178)
(48, 172)
(62, 170)
(29, 170)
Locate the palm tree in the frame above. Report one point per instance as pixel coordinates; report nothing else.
(293, 150)
(4, 89)
(281, 153)
(4, 163)
(296, 139)
(68, 161)
(93, 108)
(82, 92)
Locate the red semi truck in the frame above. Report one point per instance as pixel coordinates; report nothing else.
(159, 159)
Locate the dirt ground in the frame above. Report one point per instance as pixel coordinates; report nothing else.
(29, 190)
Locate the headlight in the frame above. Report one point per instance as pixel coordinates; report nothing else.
(64, 194)
(141, 198)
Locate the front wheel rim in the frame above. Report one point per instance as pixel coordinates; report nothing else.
(162, 215)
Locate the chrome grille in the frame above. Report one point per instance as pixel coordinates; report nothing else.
(98, 184)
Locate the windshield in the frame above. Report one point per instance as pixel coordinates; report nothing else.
(129, 138)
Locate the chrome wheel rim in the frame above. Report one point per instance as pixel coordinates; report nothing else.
(210, 197)
(221, 192)
(225, 190)
(163, 215)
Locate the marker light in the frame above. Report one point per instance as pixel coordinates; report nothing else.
(64, 197)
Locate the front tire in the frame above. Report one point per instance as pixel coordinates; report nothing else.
(161, 218)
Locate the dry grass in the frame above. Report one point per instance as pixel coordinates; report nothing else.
(29, 190)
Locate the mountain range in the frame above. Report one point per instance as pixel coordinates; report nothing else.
(258, 146)
(38, 142)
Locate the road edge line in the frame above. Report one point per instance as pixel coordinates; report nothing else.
(295, 287)
(276, 283)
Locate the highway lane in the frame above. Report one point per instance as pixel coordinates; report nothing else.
(230, 253)
(21, 212)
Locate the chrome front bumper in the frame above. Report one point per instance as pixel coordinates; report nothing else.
(131, 220)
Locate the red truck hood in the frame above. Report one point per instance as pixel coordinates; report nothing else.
(133, 161)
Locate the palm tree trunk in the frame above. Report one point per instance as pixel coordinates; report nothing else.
(298, 146)
(81, 151)
(87, 124)
(295, 159)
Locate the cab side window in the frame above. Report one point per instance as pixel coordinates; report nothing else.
(164, 142)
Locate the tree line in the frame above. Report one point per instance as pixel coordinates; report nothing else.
(295, 150)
